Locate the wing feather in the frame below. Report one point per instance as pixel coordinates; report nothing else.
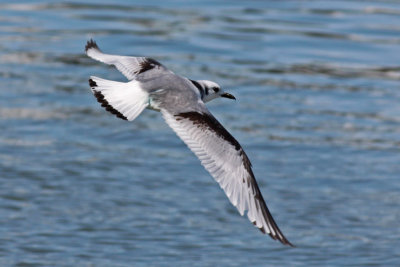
(132, 67)
(223, 157)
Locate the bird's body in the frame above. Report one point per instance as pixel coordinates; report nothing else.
(182, 104)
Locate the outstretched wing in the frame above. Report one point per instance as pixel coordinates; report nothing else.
(225, 160)
(133, 68)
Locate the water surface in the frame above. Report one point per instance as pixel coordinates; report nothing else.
(318, 113)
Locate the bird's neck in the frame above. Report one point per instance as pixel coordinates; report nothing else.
(202, 91)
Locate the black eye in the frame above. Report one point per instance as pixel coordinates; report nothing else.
(216, 89)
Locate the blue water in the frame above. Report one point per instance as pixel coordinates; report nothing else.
(318, 113)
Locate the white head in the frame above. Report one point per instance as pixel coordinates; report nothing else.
(210, 90)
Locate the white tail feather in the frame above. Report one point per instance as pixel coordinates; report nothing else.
(125, 100)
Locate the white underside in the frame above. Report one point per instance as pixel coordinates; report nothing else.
(127, 98)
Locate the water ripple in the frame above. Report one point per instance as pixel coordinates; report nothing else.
(317, 111)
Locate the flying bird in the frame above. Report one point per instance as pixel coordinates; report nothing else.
(181, 102)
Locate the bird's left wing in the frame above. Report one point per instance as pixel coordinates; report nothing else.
(133, 68)
(225, 160)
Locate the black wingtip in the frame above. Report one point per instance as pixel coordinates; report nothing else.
(104, 103)
(286, 242)
(92, 83)
(91, 44)
(281, 238)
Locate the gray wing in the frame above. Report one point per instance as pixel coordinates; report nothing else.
(133, 68)
(225, 160)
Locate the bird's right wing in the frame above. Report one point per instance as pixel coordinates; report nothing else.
(131, 67)
(225, 160)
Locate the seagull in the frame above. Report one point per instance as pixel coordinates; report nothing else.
(181, 102)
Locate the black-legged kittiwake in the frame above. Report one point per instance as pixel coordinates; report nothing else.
(181, 101)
